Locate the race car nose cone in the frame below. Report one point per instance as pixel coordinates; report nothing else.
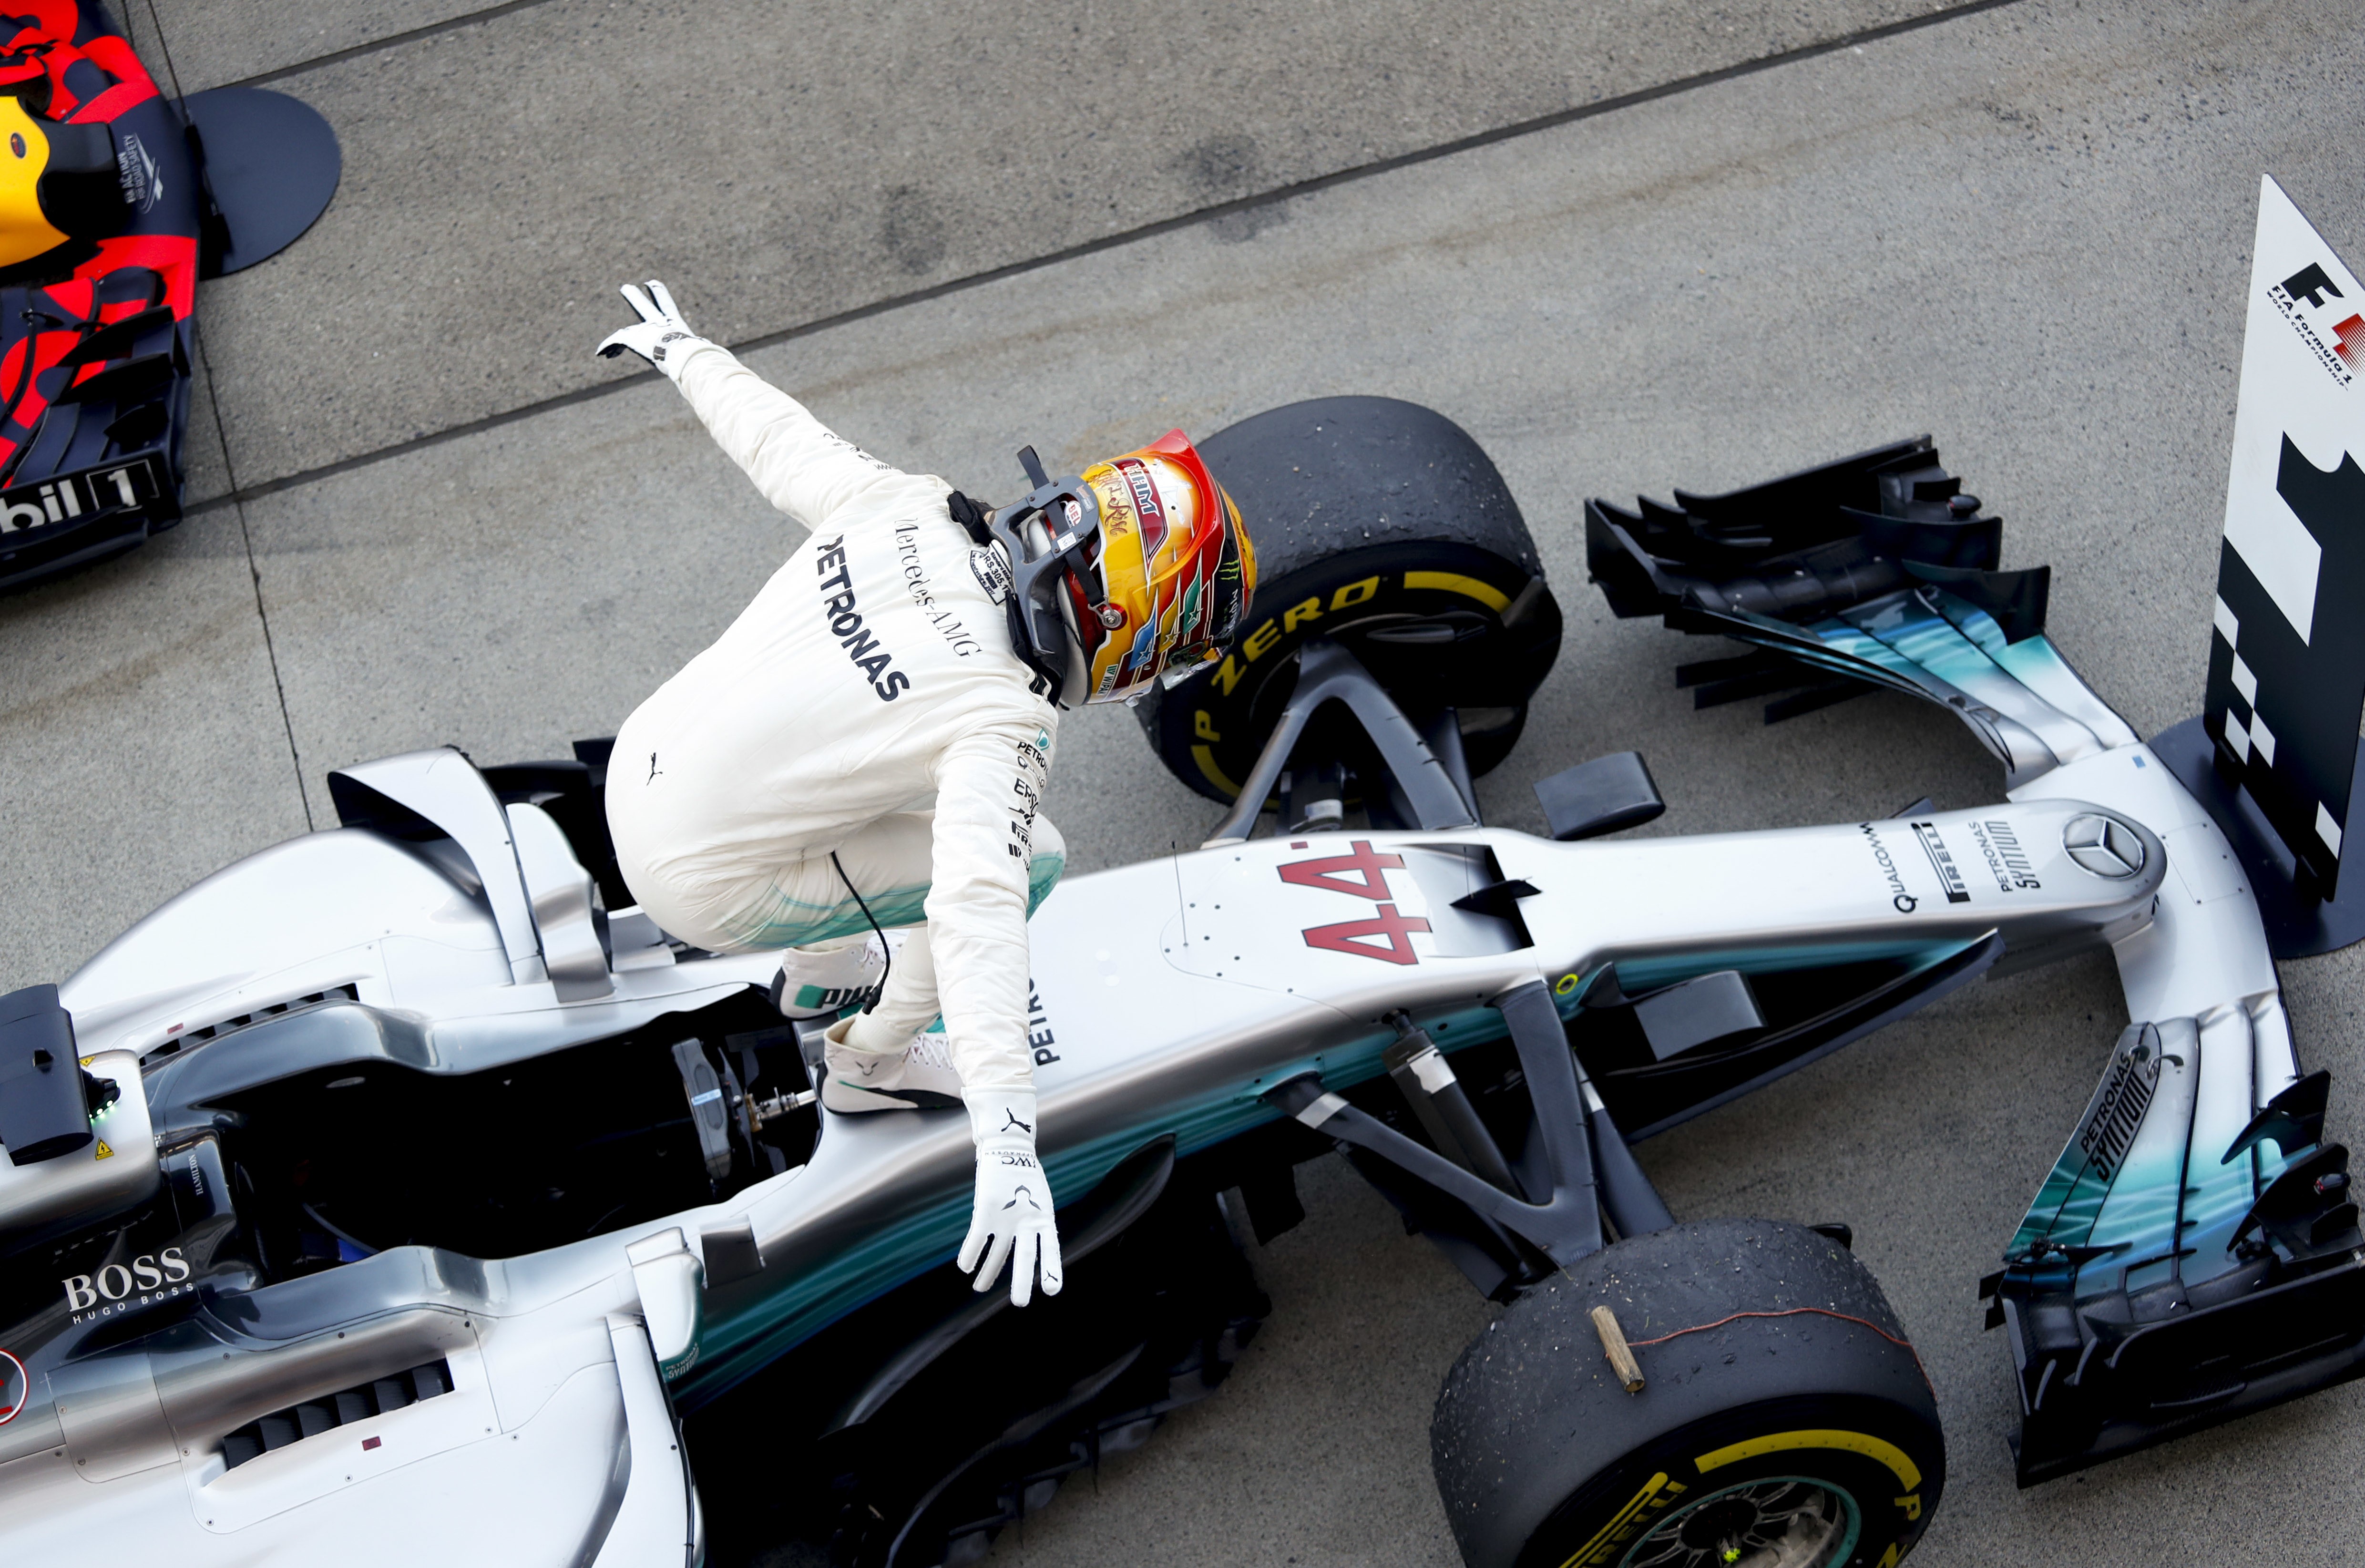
(2104, 846)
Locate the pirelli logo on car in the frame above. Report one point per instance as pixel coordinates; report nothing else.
(72, 499)
(1950, 876)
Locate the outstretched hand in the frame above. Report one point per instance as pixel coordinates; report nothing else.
(1011, 1218)
(660, 336)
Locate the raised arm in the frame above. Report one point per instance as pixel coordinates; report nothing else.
(802, 466)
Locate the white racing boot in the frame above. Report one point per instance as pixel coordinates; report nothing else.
(919, 1077)
(829, 976)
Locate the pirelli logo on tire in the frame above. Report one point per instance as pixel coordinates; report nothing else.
(1440, 623)
(1628, 1522)
(1346, 597)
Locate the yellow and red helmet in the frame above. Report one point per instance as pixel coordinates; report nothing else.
(1174, 570)
(1135, 571)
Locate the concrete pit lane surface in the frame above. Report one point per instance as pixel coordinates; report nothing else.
(1661, 245)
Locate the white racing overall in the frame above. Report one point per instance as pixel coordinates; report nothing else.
(866, 703)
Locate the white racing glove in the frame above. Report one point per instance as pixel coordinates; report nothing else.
(1014, 1202)
(660, 336)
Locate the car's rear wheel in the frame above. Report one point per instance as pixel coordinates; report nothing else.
(1784, 1422)
(1382, 525)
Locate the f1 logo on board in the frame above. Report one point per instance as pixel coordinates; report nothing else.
(2311, 283)
(2287, 660)
(1364, 875)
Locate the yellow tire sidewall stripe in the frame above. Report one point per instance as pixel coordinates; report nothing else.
(1609, 1531)
(1274, 628)
(1487, 594)
(1870, 1447)
(1204, 755)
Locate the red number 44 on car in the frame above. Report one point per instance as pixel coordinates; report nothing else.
(1387, 935)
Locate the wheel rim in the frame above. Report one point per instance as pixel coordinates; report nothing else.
(1784, 1521)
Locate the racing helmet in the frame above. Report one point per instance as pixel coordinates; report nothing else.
(1133, 573)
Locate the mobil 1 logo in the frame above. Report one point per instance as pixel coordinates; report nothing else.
(71, 498)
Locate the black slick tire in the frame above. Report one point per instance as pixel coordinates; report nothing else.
(1383, 525)
(1781, 1403)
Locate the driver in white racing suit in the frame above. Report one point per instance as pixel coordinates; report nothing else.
(866, 746)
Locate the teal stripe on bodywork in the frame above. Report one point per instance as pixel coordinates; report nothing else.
(1864, 648)
(1964, 647)
(732, 1349)
(2069, 1204)
(1928, 640)
(2032, 661)
(735, 1349)
(1936, 645)
(2137, 1222)
(2065, 1206)
(1649, 974)
(2218, 1195)
(2168, 1211)
(2036, 664)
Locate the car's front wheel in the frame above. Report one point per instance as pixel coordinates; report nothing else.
(1784, 1420)
(1382, 527)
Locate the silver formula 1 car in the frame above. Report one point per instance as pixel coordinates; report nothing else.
(401, 1194)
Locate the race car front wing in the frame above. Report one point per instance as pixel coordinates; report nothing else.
(58, 521)
(2195, 1254)
(2164, 1281)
